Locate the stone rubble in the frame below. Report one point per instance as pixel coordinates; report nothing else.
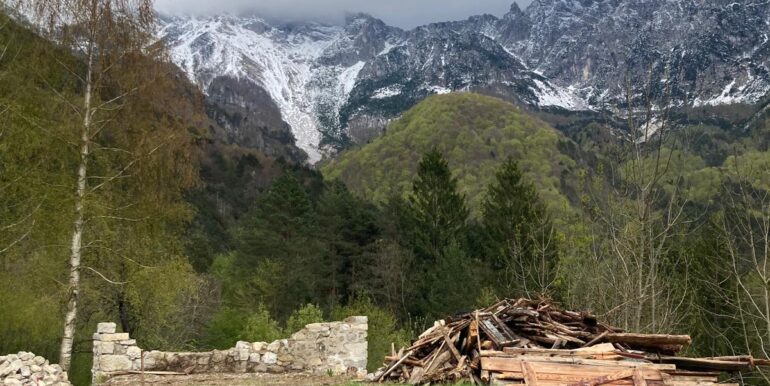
(26, 368)
(337, 348)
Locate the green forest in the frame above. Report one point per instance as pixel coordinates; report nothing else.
(190, 243)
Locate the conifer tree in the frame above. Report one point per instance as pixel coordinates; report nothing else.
(277, 252)
(519, 236)
(436, 214)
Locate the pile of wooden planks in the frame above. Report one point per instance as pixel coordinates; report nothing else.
(533, 342)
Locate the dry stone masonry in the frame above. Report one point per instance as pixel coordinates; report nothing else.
(336, 348)
(26, 368)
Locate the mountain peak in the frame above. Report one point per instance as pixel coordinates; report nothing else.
(359, 17)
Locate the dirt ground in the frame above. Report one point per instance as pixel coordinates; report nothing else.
(233, 380)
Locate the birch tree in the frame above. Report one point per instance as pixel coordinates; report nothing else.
(104, 32)
(744, 233)
(639, 210)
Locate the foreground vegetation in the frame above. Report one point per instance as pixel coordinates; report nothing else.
(192, 244)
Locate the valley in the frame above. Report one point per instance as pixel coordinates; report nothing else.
(206, 181)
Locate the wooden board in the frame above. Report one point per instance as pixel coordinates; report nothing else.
(579, 361)
(562, 380)
(514, 365)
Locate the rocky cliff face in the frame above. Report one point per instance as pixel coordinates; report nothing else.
(709, 52)
(246, 115)
(339, 85)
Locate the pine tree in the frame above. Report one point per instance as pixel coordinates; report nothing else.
(277, 253)
(349, 227)
(436, 214)
(519, 237)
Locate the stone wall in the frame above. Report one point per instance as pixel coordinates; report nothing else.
(26, 368)
(334, 348)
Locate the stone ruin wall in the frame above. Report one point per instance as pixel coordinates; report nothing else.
(26, 368)
(338, 348)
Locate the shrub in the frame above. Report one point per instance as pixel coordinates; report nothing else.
(309, 313)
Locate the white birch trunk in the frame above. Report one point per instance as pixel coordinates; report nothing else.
(70, 318)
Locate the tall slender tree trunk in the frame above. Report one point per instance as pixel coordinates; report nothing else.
(76, 246)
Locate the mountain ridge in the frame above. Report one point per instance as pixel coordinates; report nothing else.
(339, 85)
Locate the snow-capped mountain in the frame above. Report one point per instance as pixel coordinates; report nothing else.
(337, 84)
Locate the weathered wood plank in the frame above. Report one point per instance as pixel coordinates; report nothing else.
(603, 379)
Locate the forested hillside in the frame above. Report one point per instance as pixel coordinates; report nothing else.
(190, 241)
(475, 133)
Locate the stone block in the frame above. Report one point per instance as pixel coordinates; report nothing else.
(259, 346)
(133, 352)
(360, 327)
(243, 354)
(357, 320)
(356, 348)
(270, 358)
(51, 369)
(218, 356)
(129, 342)
(317, 327)
(243, 345)
(101, 348)
(275, 369)
(106, 328)
(153, 358)
(26, 356)
(112, 363)
(113, 337)
(241, 367)
(5, 369)
(274, 346)
(254, 357)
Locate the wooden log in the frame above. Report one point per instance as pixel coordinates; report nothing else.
(649, 340)
(597, 339)
(410, 362)
(606, 351)
(394, 366)
(416, 376)
(743, 358)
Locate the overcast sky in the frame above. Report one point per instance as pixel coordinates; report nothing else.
(401, 13)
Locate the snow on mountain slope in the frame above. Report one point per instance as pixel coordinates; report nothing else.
(310, 69)
(283, 61)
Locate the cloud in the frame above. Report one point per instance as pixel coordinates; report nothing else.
(402, 13)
